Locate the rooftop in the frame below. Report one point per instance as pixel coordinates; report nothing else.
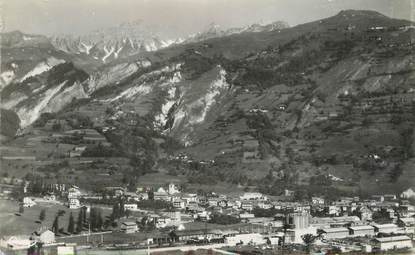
(335, 230)
(361, 228)
(393, 239)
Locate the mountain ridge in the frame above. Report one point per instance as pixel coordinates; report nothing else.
(304, 102)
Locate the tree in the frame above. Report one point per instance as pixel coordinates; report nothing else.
(80, 222)
(308, 240)
(173, 236)
(55, 226)
(42, 215)
(83, 210)
(95, 218)
(21, 209)
(224, 219)
(71, 224)
(115, 212)
(100, 221)
(127, 213)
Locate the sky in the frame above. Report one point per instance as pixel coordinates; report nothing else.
(177, 17)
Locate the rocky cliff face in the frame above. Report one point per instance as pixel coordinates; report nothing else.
(333, 97)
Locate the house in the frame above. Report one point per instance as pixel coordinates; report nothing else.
(73, 203)
(77, 151)
(161, 194)
(142, 196)
(131, 207)
(335, 233)
(247, 206)
(213, 201)
(365, 214)
(28, 202)
(246, 216)
(129, 227)
(385, 228)
(50, 197)
(46, 236)
(389, 197)
(362, 230)
(408, 224)
(74, 192)
(409, 193)
(163, 222)
(378, 198)
(265, 205)
(173, 189)
(288, 193)
(189, 198)
(333, 210)
(317, 200)
(223, 203)
(179, 204)
(393, 243)
(119, 192)
(274, 239)
(175, 216)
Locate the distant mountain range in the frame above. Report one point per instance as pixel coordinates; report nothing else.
(134, 37)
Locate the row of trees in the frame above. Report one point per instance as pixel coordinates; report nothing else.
(94, 221)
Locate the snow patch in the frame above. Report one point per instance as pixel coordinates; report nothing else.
(117, 52)
(151, 46)
(107, 52)
(87, 47)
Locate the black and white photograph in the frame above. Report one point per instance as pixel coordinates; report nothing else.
(207, 127)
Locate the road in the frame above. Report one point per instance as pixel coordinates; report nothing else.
(214, 247)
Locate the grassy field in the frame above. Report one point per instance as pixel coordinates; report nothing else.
(12, 224)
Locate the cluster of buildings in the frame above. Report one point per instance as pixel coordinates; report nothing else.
(382, 222)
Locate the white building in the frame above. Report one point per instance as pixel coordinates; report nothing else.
(335, 233)
(386, 228)
(179, 203)
(131, 207)
(74, 192)
(252, 238)
(129, 227)
(74, 203)
(362, 231)
(393, 242)
(173, 189)
(317, 200)
(253, 196)
(28, 202)
(409, 193)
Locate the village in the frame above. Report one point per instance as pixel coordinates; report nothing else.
(156, 218)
